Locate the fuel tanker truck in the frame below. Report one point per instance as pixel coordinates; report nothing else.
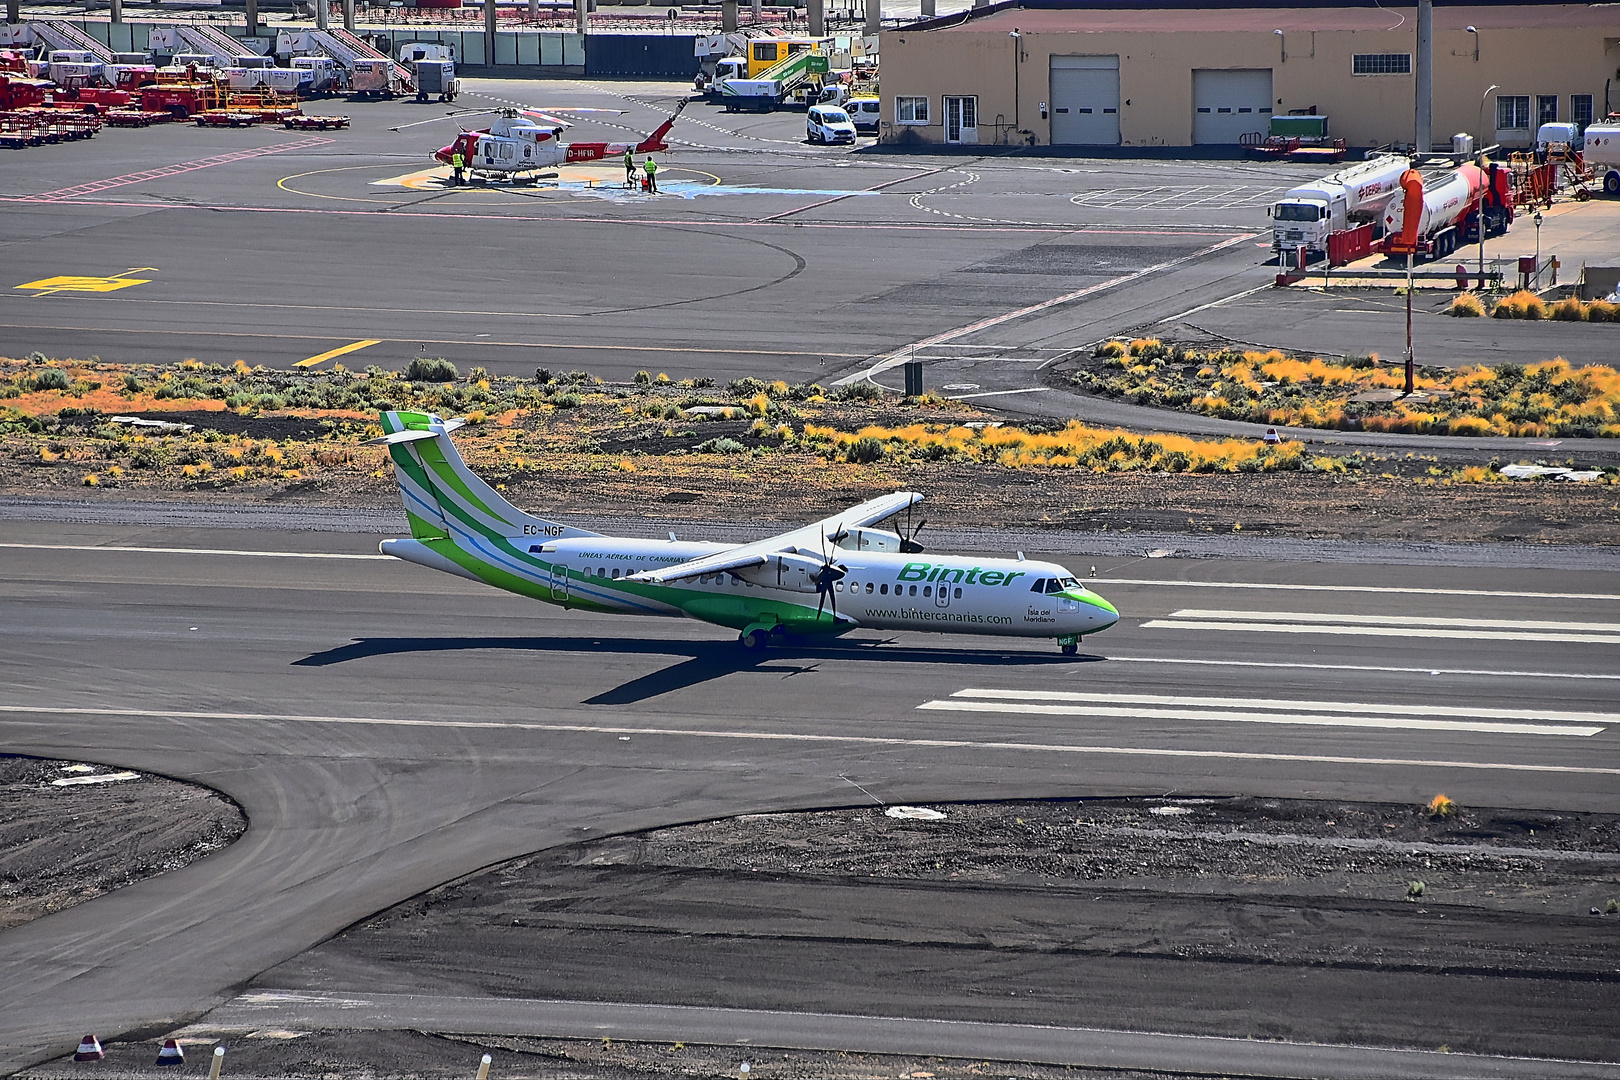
(1436, 215)
(1305, 215)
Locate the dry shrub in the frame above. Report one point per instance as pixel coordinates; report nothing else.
(1466, 306)
(1469, 425)
(1441, 806)
(1523, 304)
(1569, 309)
(1602, 311)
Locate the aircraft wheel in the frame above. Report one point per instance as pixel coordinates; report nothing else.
(1070, 649)
(1611, 184)
(753, 640)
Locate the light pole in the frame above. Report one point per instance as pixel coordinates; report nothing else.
(1282, 44)
(1480, 149)
(1489, 90)
(1017, 44)
(1537, 283)
(1475, 31)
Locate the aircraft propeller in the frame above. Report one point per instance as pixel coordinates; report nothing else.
(908, 538)
(830, 574)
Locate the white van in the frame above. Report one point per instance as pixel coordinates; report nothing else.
(863, 113)
(829, 124)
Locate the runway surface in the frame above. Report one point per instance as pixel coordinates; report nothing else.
(387, 729)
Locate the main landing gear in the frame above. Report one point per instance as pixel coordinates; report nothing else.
(755, 638)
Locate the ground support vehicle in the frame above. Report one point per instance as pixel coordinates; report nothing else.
(136, 118)
(1297, 138)
(1602, 155)
(1433, 217)
(375, 78)
(225, 118)
(436, 77)
(180, 100)
(38, 127)
(752, 95)
(314, 123)
(92, 99)
(18, 92)
(321, 72)
(1306, 215)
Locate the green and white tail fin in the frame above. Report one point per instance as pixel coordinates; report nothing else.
(443, 498)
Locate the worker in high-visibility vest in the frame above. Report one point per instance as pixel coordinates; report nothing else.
(457, 163)
(650, 167)
(629, 167)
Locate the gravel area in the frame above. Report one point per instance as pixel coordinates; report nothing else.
(70, 831)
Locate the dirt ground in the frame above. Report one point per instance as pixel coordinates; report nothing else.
(1284, 919)
(416, 1055)
(63, 845)
(617, 448)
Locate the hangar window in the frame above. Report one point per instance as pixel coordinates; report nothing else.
(1381, 64)
(1580, 109)
(911, 110)
(1513, 112)
(1547, 109)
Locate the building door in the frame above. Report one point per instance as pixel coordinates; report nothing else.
(1230, 103)
(1085, 100)
(962, 120)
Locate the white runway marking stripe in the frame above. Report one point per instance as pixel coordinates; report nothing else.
(1396, 620)
(1381, 589)
(1488, 727)
(1382, 669)
(849, 740)
(201, 551)
(1383, 631)
(1286, 704)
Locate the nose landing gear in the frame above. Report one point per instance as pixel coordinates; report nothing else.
(1069, 644)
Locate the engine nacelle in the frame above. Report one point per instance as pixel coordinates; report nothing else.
(796, 573)
(868, 540)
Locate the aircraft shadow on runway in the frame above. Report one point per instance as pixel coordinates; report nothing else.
(707, 660)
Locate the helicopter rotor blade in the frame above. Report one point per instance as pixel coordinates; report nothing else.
(446, 116)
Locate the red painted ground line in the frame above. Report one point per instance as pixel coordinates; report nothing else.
(306, 143)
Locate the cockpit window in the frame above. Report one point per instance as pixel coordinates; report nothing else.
(1039, 585)
(1068, 583)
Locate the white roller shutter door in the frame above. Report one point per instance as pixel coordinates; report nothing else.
(1230, 103)
(1085, 100)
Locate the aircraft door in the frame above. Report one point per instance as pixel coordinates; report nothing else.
(559, 581)
(942, 594)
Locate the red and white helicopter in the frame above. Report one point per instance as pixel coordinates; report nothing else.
(524, 141)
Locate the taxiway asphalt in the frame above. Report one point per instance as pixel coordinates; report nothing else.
(387, 729)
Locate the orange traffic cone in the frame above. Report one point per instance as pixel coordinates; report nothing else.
(171, 1054)
(89, 1049)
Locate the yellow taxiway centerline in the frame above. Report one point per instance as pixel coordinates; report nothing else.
(353, 346)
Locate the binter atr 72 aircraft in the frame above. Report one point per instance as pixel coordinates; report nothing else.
(833, 576)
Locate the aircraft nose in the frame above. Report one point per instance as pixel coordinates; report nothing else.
(1100, 614)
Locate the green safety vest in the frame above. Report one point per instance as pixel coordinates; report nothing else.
(456, 161)
(651, 166)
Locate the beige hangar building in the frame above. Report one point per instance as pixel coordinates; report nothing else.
(1145, 74)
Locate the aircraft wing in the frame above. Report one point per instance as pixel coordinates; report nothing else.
(805, 540)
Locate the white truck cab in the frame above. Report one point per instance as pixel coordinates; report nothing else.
(1602, 154)
(827, 124)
